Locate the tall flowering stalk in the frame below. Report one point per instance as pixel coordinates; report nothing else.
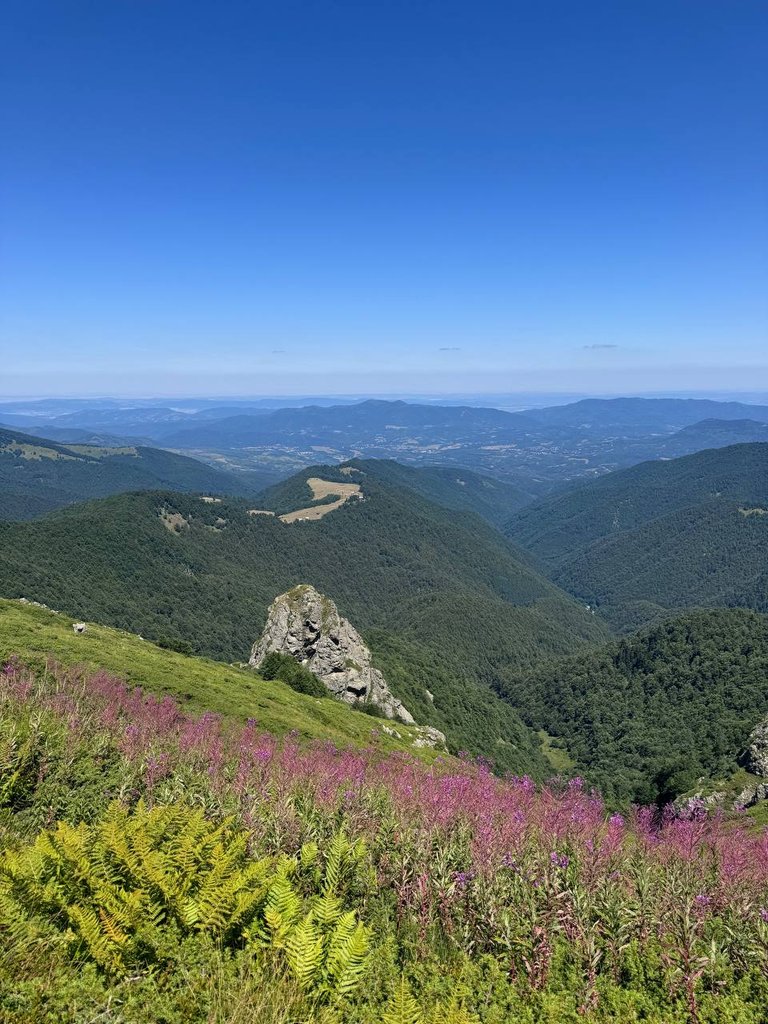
(541, 879)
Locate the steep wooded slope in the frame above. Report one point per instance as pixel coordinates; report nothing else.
(659, 536)
(646, 716)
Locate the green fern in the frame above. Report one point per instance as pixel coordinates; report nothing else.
(130, 873)
(453, 1013)
(347, 954)
(304, 951)
(402, 1008)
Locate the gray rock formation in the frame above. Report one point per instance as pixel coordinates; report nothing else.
(429, 736)
(756, 760)
(307, 625)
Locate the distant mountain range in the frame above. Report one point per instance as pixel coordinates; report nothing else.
(536, 449)
(38, 475)
(714, 433)
(659, 536)
(638, 417)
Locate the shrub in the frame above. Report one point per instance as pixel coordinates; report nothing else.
(288, 670)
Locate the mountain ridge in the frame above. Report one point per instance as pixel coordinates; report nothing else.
(657, 537)
(39, 475)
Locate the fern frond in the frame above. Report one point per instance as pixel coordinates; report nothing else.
(347, 954)
(453, 1013)
(327, 909)
(402, 1008)
(304, 951)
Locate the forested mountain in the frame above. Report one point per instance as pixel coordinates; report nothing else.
(646, 716)
(353, 425)
(444, 601)
(659, 536)
(38, 475)
(456, 488)
(532, 450)
(713, 433)
(638, 417)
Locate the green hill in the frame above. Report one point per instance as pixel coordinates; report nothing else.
(452, 487)
(446, 604)
(38, 475)
(659, 536)
(36, 634)
(158, 866)
(646, 716)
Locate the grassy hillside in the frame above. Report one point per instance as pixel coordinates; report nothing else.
(37, 634)
(39, 475)
(660, 536)
(158, 867)
(446, 604)
(646, 716)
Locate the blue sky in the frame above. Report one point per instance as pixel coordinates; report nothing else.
(332, 197)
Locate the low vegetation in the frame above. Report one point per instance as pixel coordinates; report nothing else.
(39, 635)
(158, 866)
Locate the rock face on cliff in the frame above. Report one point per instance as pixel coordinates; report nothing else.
(307, 625)
(757, 751)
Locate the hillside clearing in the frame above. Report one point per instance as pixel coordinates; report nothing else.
(323, 489)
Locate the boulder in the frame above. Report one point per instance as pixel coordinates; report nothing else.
(429, 736)
(756, 760)
(306, 624)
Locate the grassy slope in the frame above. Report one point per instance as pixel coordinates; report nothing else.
(35, 634)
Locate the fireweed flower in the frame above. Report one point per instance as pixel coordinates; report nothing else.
(413, 814)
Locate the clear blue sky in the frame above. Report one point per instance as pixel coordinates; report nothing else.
(246, 197)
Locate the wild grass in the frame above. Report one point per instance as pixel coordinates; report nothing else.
(162, 866)
(38, 634)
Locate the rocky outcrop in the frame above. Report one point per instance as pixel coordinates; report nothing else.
(429, 736)
(307, 625)
(756, 759)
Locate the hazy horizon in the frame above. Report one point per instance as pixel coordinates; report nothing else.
(503, 399)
